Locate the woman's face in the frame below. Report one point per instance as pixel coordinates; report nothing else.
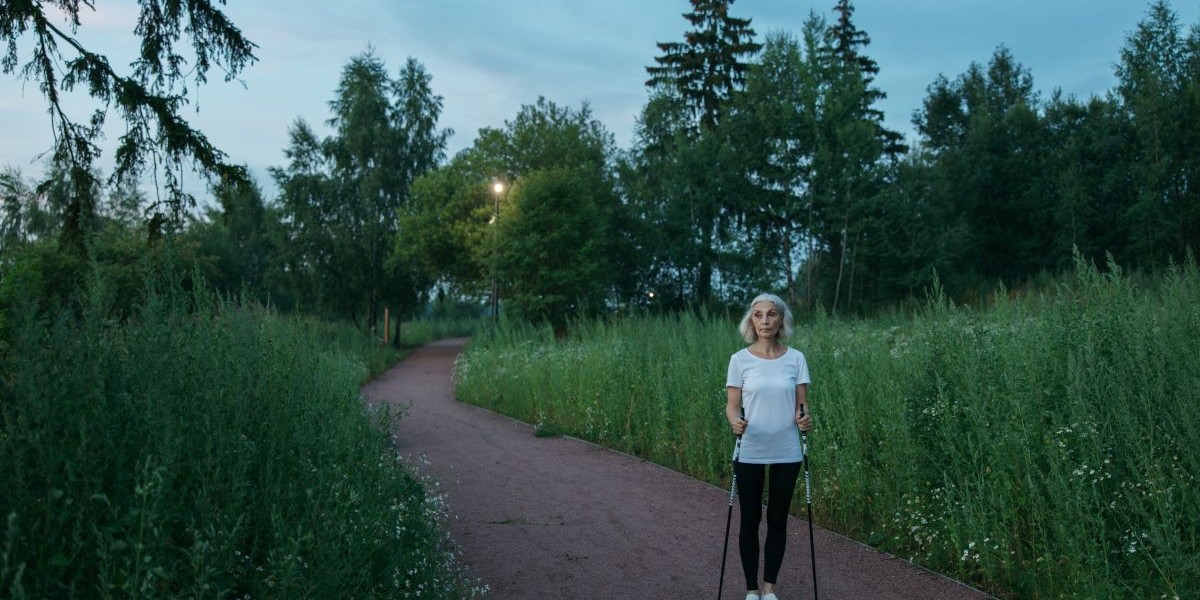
(767, 319)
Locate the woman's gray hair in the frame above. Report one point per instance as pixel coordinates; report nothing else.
(746, 327)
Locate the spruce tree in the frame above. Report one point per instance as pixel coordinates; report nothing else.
(150, 99)
(848, 45)
(702, 73)
(853, 150)
(707, 67)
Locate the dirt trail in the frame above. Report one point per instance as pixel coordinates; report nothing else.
(562, 518)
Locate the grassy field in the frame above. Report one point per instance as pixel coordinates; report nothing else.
(1044, 447)
(205, 449)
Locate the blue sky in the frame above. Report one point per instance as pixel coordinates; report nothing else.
(489, 57)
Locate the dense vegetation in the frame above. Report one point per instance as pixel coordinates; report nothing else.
(204, 448)
(756, 165)
(165, 436)
(774, 172)
(1040, 448)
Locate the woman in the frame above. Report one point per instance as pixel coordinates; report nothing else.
(767, 399)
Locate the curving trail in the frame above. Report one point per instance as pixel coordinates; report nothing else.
(562, 518)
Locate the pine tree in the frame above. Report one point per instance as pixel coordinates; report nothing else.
(707, 67)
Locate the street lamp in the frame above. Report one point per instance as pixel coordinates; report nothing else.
(498, 188)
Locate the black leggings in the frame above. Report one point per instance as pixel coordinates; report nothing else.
(779, 498)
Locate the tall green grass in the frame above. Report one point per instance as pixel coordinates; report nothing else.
(376, 357)
(370, 355)
(203, 449)
(424, 330)
(1045, 447)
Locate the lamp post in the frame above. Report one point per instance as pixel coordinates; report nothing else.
(498, 188)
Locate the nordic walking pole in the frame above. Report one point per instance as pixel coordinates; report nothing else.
(812, 552)
(737, 450)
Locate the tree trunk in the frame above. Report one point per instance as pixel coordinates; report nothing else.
(853, 266)
(396, 321)
(837, 289)
(787, 261)
(808, 259)
(704, 271)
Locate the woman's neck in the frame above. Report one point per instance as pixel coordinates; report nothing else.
(768, 348)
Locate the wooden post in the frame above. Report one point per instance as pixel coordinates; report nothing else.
(387, 330)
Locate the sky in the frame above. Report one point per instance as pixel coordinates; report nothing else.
(489, 57)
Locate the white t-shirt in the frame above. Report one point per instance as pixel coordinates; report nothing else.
(769, 401)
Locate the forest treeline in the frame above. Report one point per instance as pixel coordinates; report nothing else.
(758, 163)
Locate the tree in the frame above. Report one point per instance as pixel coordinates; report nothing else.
(917, 234)
(1159, 86)
(306, 199)
(849, 42)
(772, 128)
(442, 228)
(703, 72)
(368, 184)
(415, 113)
(125, 205)
(988, 143)
(1091, 175)
(706, 68)
(852, 160)
(342, 197)
(557, 246)
(237, 236)
(558, 253)
(25, 214)
(551, 245)
(654, 186)
(149, 99)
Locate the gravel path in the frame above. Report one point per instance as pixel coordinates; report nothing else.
(562, 518)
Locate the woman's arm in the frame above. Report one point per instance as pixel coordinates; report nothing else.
(805, 421)
(733, 409)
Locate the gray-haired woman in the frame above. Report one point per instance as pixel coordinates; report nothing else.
(767, 400)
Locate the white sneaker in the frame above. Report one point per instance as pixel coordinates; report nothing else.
(770, 596)
(752, 596)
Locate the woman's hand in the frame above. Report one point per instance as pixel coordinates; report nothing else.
(803, 420)
(739, 426)
(733, 410)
